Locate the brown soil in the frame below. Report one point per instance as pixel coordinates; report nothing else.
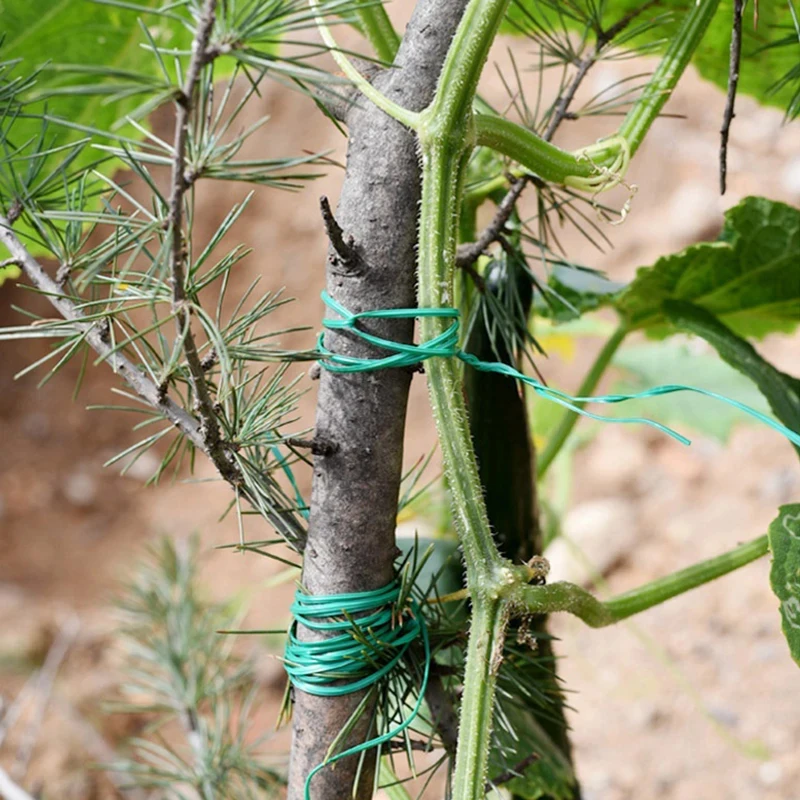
(665, 707)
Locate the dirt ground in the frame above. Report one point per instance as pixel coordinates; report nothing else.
(694, 700)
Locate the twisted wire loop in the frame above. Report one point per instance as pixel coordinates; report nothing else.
(445, 345)
(360, 652)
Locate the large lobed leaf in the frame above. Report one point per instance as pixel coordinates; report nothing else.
(761, 69)
(749, 278)
(784, 543)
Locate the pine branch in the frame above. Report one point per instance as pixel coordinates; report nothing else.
(469, 253)
(96, 337)
(509, 775)
(209, 427)
(603, 40)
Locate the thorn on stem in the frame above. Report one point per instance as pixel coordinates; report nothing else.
(344, 249)
(318, 445)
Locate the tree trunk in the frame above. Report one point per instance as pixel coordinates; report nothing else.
(351, 539)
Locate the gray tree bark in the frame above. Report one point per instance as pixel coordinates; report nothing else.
(351, 539)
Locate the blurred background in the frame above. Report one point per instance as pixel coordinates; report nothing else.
(693, 700)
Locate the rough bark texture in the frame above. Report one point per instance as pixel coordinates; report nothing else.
(351, 541)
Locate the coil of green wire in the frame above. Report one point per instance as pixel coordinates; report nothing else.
(366, 637)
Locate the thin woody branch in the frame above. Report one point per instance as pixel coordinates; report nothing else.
(733, 84)
(95, 337)
(515, 772)
(469, 253)
(209, 426)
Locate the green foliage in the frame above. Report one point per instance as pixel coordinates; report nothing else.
(782, 391)
(521, 734)
(76, 45)
(101, 66)
(784, 543)
(577, 291)
(789, 83)
(129, 279)
(656, 364)
(763, 68)
(748, 278)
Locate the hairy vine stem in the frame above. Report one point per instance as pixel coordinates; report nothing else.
(447, 132)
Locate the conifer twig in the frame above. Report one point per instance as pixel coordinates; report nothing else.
(94, 336)
(209, 427)
(469, 253)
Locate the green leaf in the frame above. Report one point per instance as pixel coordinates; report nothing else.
(761, 69)
(749, 278)
(656, 364)
(784, 542)
(575, 291)
(782, 391)
(105, 40)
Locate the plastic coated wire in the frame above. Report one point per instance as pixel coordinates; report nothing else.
(445, 345)
(370, 635)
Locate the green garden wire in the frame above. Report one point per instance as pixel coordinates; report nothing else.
(445, 345)
(367, 635)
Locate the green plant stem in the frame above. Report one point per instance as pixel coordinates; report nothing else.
(447, 131)
(441, 177)
(378, 29)
(560, 435)
(408, 118)
(598, 614)
(484, 651)
(672, 65)
(537, 155)
(555, 165)
(446, 137)
(462, 68)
